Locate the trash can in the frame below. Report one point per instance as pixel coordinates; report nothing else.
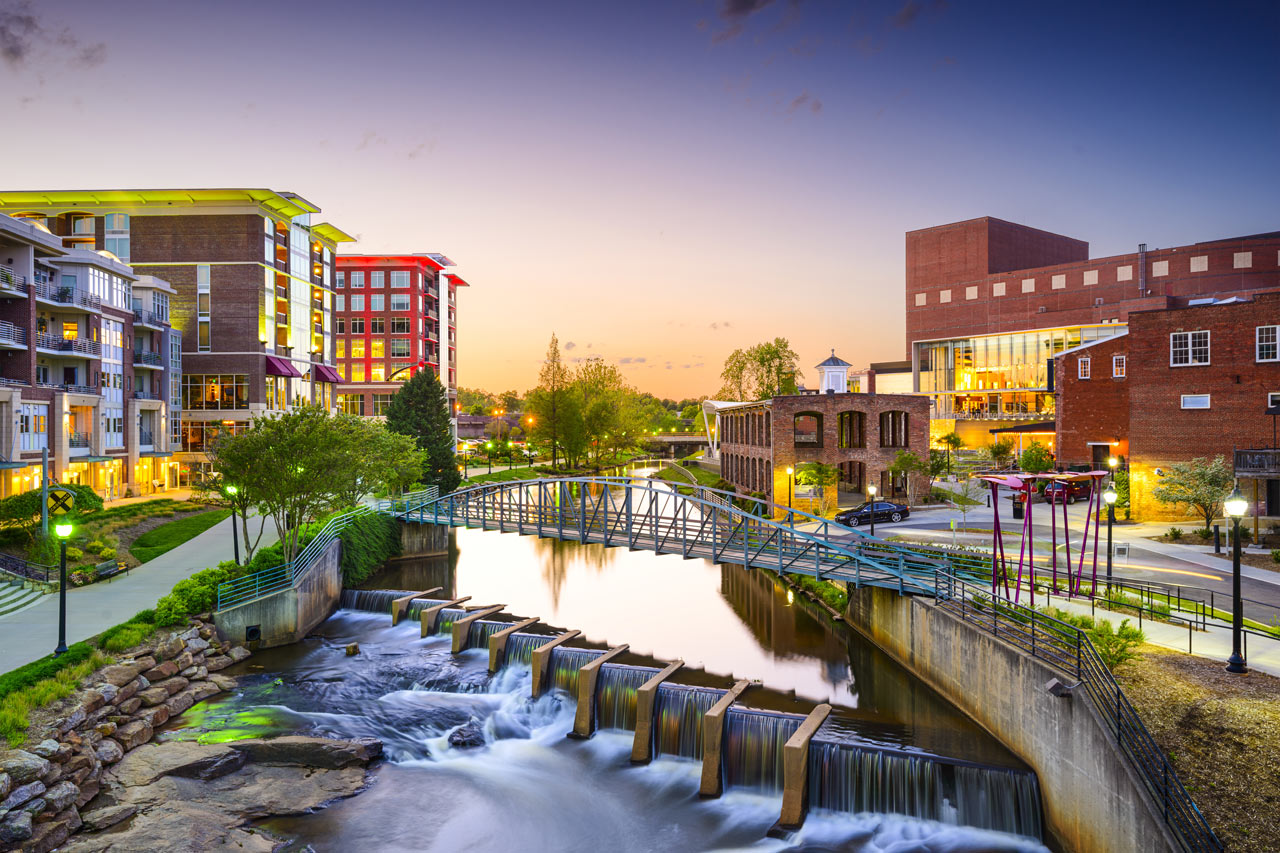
(1019, 509)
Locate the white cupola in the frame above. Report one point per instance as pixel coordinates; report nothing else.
(834, 375)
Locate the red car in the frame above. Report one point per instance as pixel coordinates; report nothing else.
(1060, 491)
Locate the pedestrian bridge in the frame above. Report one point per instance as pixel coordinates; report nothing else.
(692, 521)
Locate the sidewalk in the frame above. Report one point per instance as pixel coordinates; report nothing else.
(30, 634)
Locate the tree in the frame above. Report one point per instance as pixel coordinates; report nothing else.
(213, 490)
(951, 442)
(379, 458)
(469, 398)
(420, 410)
(550, 402)
(1036, 459)
(765, 370)
(907, 463)
(968, 497)
(821, 475)
(937, 463)
(1000, 451)
(511, 401)
(1200, 485)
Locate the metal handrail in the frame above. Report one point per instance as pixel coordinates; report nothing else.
(25, 569)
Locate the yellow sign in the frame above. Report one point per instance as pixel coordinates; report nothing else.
(61, 501)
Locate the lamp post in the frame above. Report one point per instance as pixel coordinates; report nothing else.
(63, 531)
(510, 454)
(488, 447)
(232, 491)
(871, 501)
(790, 476)
(1235, 507)
(1109, 496)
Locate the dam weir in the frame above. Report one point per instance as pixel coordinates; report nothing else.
(781, 749)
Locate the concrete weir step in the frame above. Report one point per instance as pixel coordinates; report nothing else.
(429, 615)
(584, 720)
(401, 605)
(646, 695)
(713, 741)
(498, 642)
(463, 626)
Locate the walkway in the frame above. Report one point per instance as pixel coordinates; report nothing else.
(30, 634)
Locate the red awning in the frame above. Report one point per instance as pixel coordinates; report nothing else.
(325, 373)
(281, 367)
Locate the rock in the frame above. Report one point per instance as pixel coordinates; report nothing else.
(172, 685)
(155, 717)
(92, 700)
(100, 819)
(133, 735)
(185, 759)
(201, 690)
(312, 751)
(63, 755)
(50, 835)
(15, 828)
(88, 790)
(179, 703)
(46, 748)
(161, 671)
(34, 808)
(224, 682)
(154, 696)
(145, 661)
(353, 649)
(170, 649)
(109, 692)
(176, 826)
(106, 729)
(218, 662)
(239, 653)
(79, 761)
(119, 674)
(189, 634)
(109, 751)
(23, 767)
(197, 644)
(77, 717)
(130, 706)
(53, 774)
(467, 735)
(189, 671)
(22, 794)
(184, 660)
(61, 795)
(5, 785)
(206, 633)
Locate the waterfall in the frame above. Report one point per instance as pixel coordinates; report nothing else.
(414, 611)
(371, 600)
(520, 647)
(860, 778)
(445, 619)
(616, 695)
(753, 748)
(565, 664)
(481, 630)
(677, 714)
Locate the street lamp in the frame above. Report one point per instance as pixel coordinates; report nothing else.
(510, 455)
(63, 531)
(790, 476)
(871, 499)
(1109, 496)
(488, 446)
(232, 491)
(1235, 507)
(1112, 462)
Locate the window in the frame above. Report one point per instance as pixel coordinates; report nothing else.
(377, 325)
(376, 279)
(357, 280)
(357, 371)
(399, 347)
(1266, 348)
(203, 312)
(400, 279)
(1083, 368)
(1273, 399)
(1159, 269)
(33, 425)
(1242, 260)
(341, 351)
(357, 347)
(1200, 263)
(1090, 277)
(357, 325)
(922, 299)
(893, 429)
(339, 302)
(1195, 401)
(351, 404)
(377, 302)
(997, 289)
(1124, 273)
(214, 391)
(379, 348)
(381, 402)
(1117, 367)
(1188, 349)
(357, 302)
(851, 427)
(340, 324)
(971, 292)
(944, 296)
(400, 302)
(198, 435)
(1028, 285)
(807, 427)
(400, 326)
(377, 372)
(1058, 282)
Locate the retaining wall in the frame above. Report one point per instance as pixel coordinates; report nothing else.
(289, 615)
(423, 539)
(1093, 799)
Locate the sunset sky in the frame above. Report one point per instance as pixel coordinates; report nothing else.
(661, 182)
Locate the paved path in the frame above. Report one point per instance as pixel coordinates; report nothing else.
(30, 634)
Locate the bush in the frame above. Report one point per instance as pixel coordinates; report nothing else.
(1275, 555)
(1175, 533)
(195, 594)
(107, 553)
(43, 550)
(1204, 533)
(367, 543)
(1116, 647)
(25, 676)
(74, 554)
(126, 635)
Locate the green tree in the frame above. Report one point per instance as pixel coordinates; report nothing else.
(511, 401)
(243, 502)
(936, 465)
(551, 405)
(1200, 486)
(601, 390)
(765, 370)
(420, 410)
(907, 463)
(823, 476)
(468, 398)
(379, 458)
(1000, 452)
(1036, 459)
(951, 442)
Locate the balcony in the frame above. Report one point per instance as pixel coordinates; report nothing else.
(79, 440)
(11, 283)
(147, 359)
(143, 317)
(11, 336)
(80, 347)
(318, 328)
(68, 297)
(282, 319)
(145, 395)
(1258, 463)
(146, 438)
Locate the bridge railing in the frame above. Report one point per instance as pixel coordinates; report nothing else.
(1068, 649)
(408, 499)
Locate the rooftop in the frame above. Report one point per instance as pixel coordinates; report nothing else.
(284, 204)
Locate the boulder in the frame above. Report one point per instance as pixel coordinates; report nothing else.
(145, 661)
(102, 818)
(63, 755)
(311, 751)
(88, 790)
(189, 634)
(131, 689)
(92, 700)
(108, 691)
(184, 660)
(46, 748)
(467, 735)
(201, 690)
(154, 696)
(217, 663)
(119, 675)
(206, 633)
(353, 649)
(239, 653)
(34, 807)
(161, 671)
(170, 649)
(224, 682)
(5, 785)
(50, 835)
(109, 751)
(61, 795)
(15, 828)
(23, 767)
(172, 685)
(185, 759)
(155, 717)
(106, 729)
(130, 706)
(22, 794)
(76, 718)
(197, 644)
(53, 774)
(133, 735)
(180, 702)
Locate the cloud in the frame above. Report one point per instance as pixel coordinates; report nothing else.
(568, 345)
(731, 9)
(425, 147)
(805, 100)
(370, 137)
(913, 9)
(632, 359)
(722, 324)
(23, 35)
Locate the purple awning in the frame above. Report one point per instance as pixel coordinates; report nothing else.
(325, 373)
(281, 367)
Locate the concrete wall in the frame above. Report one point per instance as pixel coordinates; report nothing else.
(289, 615)
(1093, 800)
(422, 539)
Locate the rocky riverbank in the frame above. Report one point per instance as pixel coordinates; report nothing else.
(93, 775)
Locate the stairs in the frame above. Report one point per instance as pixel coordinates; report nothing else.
(15, 596)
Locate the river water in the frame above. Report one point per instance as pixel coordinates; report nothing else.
(529, 788)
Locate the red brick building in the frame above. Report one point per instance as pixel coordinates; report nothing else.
(1197, 381)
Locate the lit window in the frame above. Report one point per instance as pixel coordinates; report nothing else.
(1266, 343)
(356, 371)
(342, 348)
(378, 373)
(357, 348)
(1195, 401)
(1188, 349)
(1117, 367)
(378, 348)
(1083, 368)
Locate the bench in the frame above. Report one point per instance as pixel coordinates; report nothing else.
(109, 569)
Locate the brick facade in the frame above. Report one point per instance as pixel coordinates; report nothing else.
(1092, 414)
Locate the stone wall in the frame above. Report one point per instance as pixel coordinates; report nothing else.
(44, 787)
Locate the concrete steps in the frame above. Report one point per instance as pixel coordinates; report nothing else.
(15, 596)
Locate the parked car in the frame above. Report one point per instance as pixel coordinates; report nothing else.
(1061, 491)
(883, 510)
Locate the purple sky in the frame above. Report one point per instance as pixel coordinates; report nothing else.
(662, 182)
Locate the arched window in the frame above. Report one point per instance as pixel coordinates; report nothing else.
(807, 429)
(893, 429)
(852, 429)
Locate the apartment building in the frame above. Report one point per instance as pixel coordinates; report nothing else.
(79, 331)
(394, 315)
(251, 299)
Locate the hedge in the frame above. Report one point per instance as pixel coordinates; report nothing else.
(367, 543)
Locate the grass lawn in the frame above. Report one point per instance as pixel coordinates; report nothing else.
(166, 537)
(506, 475)
(943, 494)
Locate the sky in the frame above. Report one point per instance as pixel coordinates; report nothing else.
(661, 182)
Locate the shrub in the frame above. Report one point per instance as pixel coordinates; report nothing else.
(43, 550)
(1204, 533)
(367, 543)
(107, 553)
(1275, 555)
(1175, 533)
(195, 594)
(1116, 647)
(74, 554)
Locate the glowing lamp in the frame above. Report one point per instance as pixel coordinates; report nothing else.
(1110, 495)
(1235, 505)
(790, 470)
(63, 530)
(871, 491)
(233, 490)
(1112, 462)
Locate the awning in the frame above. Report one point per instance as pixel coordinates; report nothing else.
(160, 454)
(96, 459)
(7, 465)
(281, 367)
(1041, 427)
(325, 373)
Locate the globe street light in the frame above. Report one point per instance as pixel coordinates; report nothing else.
(1109, 496)
(488, 446)
(63, 530)
(1235, 507)
(790, 472)
(232, 491)
(871, 500)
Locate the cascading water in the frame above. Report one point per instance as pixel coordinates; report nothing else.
(753, 748)
(565, 664)
(852, 778)
(415, 608)
(677, 715)
(445, 619)
(616, 695)
(371, 600)
(481, 630)
(520, 647)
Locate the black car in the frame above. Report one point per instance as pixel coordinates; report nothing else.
(884, 511)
